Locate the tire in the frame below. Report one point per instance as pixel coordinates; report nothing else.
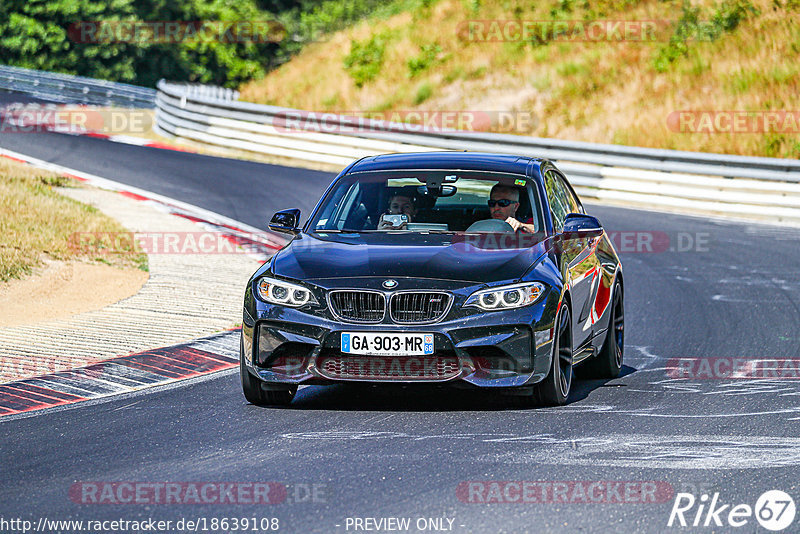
(256, 394)
(554, 390)
(608, 362)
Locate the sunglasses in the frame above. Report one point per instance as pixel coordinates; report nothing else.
(503, 203)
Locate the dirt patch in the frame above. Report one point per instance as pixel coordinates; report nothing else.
(59, 290)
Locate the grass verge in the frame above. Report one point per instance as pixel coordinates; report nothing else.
(37, 222)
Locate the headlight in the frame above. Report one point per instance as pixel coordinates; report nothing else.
(506, 297)
(284, 293)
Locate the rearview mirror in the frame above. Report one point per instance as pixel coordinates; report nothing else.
(581, 226)
(286, 221)
(440, 191)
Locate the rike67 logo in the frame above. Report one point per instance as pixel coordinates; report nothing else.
(774, 510)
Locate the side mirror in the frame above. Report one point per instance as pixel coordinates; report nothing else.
(286, 221)
(581, 226)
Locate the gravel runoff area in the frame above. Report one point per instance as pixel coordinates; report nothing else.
(188, 295)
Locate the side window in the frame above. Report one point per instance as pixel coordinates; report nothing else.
(326, 219)
(557, 198)
(345, 208)
(573, 202)
(533, 201)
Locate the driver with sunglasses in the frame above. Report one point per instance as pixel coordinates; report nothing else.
(503, 204)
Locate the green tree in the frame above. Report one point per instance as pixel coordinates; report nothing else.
(34, 34)
(41, 34)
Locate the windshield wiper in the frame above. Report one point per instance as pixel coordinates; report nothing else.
(318, 231)
(385, 231)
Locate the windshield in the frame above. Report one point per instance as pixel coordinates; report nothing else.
(429, 201)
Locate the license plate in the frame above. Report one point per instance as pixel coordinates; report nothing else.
(387, 344)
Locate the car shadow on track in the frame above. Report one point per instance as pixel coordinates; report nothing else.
(581, 389)
(427, 398)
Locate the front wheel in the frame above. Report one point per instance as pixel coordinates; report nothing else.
(255, 393)
(554, 390)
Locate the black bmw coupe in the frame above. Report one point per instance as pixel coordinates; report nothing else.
(477, 270)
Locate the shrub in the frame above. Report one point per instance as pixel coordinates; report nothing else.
(726, 18)
(424, 92)
(365, 59)
(424, 60)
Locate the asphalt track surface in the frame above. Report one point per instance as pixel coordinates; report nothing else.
(404, 452)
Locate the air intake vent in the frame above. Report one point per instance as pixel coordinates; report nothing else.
(389, 368)
(418, 307)
(358, 306)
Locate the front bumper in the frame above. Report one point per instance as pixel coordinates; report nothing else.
(502, 349)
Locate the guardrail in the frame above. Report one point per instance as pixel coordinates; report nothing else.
(731, 186)
(68, 89)
(765, 189)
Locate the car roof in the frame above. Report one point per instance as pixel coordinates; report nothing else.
(475, 161)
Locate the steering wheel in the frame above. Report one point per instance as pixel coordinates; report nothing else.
(493, 226)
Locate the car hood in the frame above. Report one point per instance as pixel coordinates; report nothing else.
(468, 258)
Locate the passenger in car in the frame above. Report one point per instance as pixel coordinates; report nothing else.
(503, 205)
(399, 204)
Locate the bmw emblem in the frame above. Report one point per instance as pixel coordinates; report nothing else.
(389, 284)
